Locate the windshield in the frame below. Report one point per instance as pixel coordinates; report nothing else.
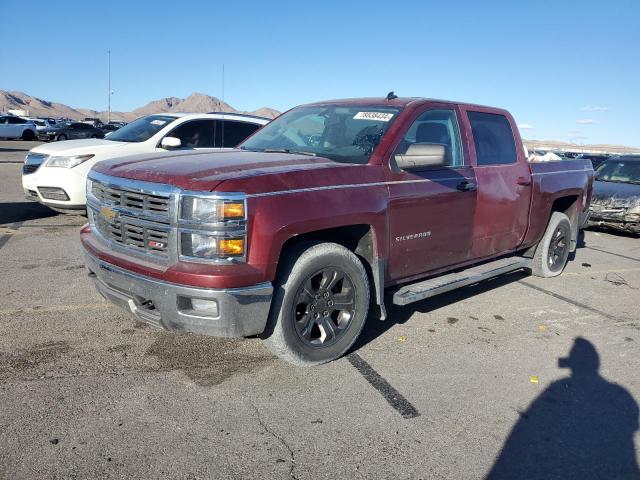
(346, 134)
(619, 171)
(142, 129)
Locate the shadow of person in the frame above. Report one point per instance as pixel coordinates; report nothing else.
(580, 427)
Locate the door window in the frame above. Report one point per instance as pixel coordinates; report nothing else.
(16, 120)
(195, 134)
(493, 138)
(230, 134)
(435, 127)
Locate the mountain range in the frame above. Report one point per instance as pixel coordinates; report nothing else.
(194, 103)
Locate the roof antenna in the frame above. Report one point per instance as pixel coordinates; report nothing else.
(391, 95)
(222, 108)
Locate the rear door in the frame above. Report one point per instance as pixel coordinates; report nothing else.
(74, 131)
(16, 126)
(504, 183)
(230, 133)
(431, 210)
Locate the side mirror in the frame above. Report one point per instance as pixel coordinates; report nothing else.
(170, 143)
(420, 155)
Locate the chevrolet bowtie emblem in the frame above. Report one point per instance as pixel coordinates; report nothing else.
(108, 213)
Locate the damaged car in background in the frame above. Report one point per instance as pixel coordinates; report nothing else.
(616, 194)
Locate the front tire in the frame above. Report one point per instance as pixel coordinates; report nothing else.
(552, 252)
(320, 305)
(61, 138)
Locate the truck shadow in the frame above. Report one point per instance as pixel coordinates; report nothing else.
(580, 427)
(397, 315)
(13, 212)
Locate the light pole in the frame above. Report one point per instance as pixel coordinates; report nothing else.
(109, 93)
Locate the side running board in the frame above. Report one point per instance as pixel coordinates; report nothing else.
(445, 283)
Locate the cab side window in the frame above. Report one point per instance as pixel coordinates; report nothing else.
(493, 139)
(16, 120)
(195, 134)
(230, 133)
(438, 127)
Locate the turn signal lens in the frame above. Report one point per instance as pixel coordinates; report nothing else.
(234, 246)
(230, 210)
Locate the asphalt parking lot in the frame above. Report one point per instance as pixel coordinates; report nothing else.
(466, 385)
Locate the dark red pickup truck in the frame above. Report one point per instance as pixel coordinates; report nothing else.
(296, 235)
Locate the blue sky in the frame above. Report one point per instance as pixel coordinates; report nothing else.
(569, 69)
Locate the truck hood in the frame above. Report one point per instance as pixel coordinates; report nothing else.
(616, 194)
(78, 147)
(204, 171)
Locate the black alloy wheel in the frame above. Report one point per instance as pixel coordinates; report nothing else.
(323, 307)
(558, 248)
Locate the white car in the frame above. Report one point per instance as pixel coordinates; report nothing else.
(42, 123)
(17, 127)
(55, 174)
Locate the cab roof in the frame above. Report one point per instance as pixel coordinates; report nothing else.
(398, 102)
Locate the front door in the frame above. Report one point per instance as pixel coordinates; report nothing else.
(431, 210)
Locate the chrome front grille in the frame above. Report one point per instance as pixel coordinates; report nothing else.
(33, 162)
(135, 217)
(131, 233)
(156, 204)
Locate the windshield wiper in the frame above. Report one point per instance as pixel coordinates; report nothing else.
(287, 150)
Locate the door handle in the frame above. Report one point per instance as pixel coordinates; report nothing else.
(465, 186)
(523, 181)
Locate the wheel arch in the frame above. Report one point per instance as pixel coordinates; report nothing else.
(570, 206)
(362, 240)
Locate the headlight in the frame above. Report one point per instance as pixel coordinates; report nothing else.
(213, 227)
(211, 210)
(211, 247)
(68, 162)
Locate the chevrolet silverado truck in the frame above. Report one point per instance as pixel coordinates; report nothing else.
(297, 235)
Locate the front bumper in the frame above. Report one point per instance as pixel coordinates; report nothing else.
(615, 218)
(241, 312)
(71, 181)
(47, 137)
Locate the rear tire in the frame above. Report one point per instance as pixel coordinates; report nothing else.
(61, 138)
(28, 135)
(552, 252)
(320, 305)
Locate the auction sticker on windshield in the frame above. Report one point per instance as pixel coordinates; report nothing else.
(382, 117)
(158, 122)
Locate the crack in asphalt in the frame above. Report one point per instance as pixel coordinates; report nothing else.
(281, 440)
